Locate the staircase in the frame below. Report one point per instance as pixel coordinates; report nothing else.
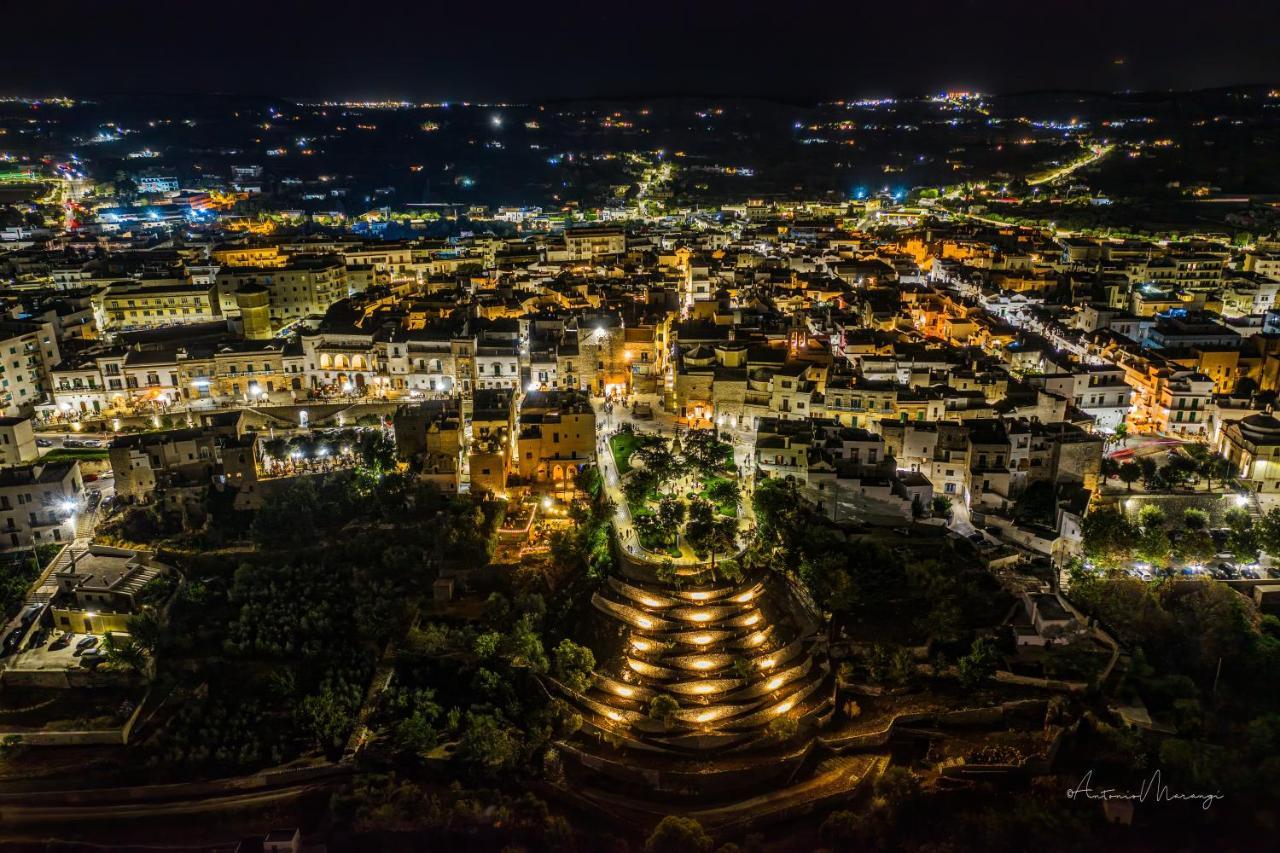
(86, 522)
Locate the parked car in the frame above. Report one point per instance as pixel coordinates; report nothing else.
(92, 658)
(44, 442)
(91, 442)
(29, 614)
(61, 642)
(11, 641)
(86, 643)
(95, 498)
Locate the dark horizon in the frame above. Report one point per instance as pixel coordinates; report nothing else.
(636, 97)
(583, 51)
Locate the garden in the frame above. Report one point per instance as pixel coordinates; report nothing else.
(681, 492)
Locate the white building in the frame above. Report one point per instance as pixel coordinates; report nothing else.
(38, 503)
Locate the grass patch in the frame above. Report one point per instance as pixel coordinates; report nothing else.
(79, 454)
(623, 445)
(713, 486)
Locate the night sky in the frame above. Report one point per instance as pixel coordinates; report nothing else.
(792, 49)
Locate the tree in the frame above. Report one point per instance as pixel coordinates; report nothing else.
(657, 457)
(1108, 537)
(488, 748)
(720, 538)
(1148, 467)
(777, 506)
(663, 708)
(147, 630)
(675, 834)
(523, 645)
(1121, 432)
(670, 514)
(724, 491)
(781, 728)
(415, 734)
(1130, 473)
(1153, 546)
(1215, 467)
(1194, 546)
(1151, 516)
(1269, 531)
(125, 652)
(377, 449)
(941, 506)
(1243, 540)
(1110, 468)
(329, 714)
(1197, 519)
(1174, 475)
(702, 449)
(979, 664)
(638, 484)
(897, 789)
(574, 665)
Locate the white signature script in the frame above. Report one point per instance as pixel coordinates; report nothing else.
(1152, 786)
